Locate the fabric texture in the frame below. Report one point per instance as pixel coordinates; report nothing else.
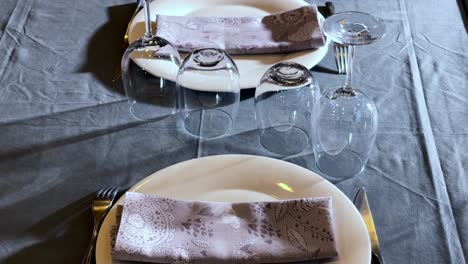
(162, 230)
(66, 131)
(288, 31)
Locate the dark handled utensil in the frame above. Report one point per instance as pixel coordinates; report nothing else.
(330, 8)
(361, 203)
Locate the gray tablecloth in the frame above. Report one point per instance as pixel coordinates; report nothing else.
(65, 129)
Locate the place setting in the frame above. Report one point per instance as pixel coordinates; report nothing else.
(233, 131)
(192, 60)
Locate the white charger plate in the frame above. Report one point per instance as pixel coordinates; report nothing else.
(244, 178)
(251, 67)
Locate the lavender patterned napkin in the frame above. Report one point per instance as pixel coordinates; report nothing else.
(161, 230)
(289, 31)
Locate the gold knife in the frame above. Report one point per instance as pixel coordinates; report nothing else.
(361, 203)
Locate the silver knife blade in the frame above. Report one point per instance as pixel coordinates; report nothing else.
(361, 203)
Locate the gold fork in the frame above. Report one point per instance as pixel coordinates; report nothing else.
(101, 205)
(340, 52)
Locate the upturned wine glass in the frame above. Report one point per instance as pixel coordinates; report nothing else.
(149, 70)
(209, 89)
(284, 105)
(345, 123)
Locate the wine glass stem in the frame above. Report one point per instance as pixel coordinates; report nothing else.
(148, 30)
(349, 66)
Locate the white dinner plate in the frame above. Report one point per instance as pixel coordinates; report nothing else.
(244, 178)
(251, 67)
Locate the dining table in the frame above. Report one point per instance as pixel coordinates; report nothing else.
(66, 131)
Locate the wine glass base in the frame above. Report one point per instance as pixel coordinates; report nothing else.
(354, 28)
(284, 140)
(208, 123)
(345, 164)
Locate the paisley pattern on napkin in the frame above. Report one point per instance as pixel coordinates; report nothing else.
(161, 230)
(288, 31)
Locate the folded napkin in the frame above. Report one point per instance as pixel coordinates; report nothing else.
(161, 230)
(288, 31)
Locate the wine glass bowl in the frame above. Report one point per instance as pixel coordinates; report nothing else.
(346, 125)
(284, 105)
(209, 87)
(151, 94)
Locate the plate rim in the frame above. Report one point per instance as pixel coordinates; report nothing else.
(155, 174)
